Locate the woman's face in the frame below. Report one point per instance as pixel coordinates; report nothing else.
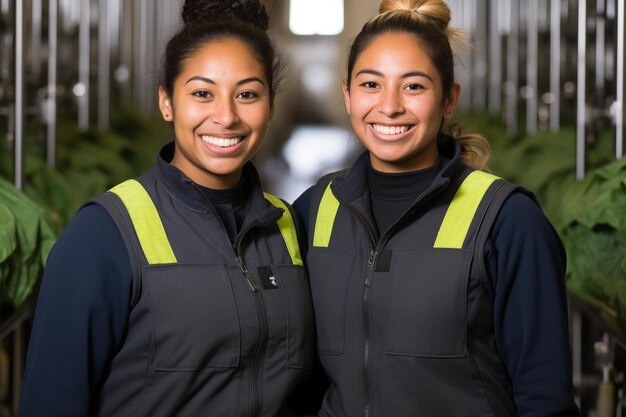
(396, 103)
(220, 109)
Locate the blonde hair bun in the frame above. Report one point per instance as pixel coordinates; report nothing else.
(431, 12)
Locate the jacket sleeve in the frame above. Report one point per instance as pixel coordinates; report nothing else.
(526, 263)
(80, 317)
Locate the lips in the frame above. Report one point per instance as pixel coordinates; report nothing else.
(221, 142)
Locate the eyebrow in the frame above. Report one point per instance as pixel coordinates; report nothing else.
(210, 81)
(405, 75)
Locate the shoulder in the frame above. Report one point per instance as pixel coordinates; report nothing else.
(522, 227)
(90, 241)
(521, 212)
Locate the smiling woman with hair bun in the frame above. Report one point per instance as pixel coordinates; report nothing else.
(183, 292)
(438, 288)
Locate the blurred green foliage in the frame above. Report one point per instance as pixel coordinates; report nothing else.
(87, 163)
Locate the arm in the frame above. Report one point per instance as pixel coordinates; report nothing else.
(526, 263)
(80, 317)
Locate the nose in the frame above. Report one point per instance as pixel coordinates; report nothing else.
(225, 113)
(390, 103)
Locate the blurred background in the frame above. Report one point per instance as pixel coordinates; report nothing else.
(544, 82)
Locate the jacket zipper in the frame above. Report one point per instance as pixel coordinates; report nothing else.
(371, 261)
(256, 405)
(376, 246)
(259, 350)
(257, 359)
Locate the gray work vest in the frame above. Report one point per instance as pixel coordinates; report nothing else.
(214, 330)
(405, 322)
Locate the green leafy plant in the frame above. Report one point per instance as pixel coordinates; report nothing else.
(26, 237)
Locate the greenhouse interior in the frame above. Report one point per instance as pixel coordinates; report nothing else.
(543, 81)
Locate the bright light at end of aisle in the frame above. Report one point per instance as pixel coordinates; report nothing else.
(316, 17)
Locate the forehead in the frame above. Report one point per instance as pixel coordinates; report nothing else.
(223, 57)
(395, 51)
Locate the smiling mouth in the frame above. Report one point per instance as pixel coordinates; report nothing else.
(221, 142)
(391, 130)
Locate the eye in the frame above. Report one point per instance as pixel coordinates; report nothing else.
(201, 94)
(369, 84)
(414, 87)
(247, 95)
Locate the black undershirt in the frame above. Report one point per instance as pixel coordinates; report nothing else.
(391, 195)
(231, 206)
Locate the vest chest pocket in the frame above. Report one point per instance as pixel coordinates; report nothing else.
(296, 299)
(329, 272)
(194, 317)
(427, 314)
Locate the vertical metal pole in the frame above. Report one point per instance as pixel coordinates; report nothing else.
(555, 65)
(141, 55)
(600, 67)
(467, 8)
(104, 65)
(480, 65)
(532, 63)
(151, 60)
(619, 105)
(581, 113)
(83, 64)
(19, 94)
(35, 41)
(495, 57)
(52, 82)
(512, 82)
(125, 67)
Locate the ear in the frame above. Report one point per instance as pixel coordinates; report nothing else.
(165, 105)
(346, 94)
(453, 101)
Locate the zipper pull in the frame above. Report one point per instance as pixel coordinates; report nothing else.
(246, 275)
(370, 267)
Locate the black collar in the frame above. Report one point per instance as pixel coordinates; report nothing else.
(191, 195)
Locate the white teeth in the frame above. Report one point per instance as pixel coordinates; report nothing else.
(221, 142)
(390, 130)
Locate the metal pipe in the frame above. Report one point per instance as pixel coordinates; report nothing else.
(600, 67)
(125, 67)
(619, 105)
(581, 112)
(555, 65)
(35, 40)
(53, 33)
(19, 95)
(141, 57)
(495, 58)
(512, 82)
(151, 60)
(104, 65)
(532, 62)
(82, 91)
(480, 65)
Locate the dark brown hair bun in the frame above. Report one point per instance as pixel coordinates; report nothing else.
(250, 11)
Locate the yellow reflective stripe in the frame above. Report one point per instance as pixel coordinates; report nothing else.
(146, 222)
(458, 218)
(287, 229)
(325, 218)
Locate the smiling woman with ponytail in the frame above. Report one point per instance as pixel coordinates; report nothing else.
(183, 292)
(438, 288)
